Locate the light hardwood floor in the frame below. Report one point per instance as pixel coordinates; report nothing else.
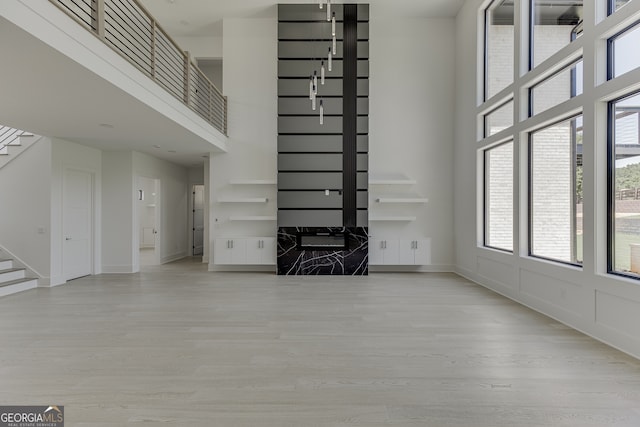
(178, 346)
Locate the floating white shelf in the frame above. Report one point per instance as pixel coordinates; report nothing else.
(401, 199)
(244, 200)
(390, 179)
(253, 218)
(253, 182)
(393, 218)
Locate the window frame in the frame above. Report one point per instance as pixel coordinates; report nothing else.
(532, 23)
(485, 203)
(611, 186)
(611, 50)
(498, 106)
(485, 50)
(530, 239)
(573, 90)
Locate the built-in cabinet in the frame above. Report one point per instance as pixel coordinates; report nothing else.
(399, 252)
(245, 250)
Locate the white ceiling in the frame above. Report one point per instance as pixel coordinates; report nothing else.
(202, 18)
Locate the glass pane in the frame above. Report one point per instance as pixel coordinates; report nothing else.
(625, 46)
(626, 218)
(500, 44)
(617, 4)
(555, 24)
(499, 119)
(558, 88)
(555, 185)
(499, 197)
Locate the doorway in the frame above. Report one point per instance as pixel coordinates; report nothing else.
(198, 219)
(148, 209)
(77, 223)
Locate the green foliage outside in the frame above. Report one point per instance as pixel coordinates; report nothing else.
(628, 177)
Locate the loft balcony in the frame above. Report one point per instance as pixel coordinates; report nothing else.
(104, 73)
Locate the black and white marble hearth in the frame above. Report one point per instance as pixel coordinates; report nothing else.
(295, 258)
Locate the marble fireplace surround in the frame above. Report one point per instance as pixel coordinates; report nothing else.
(296, 261)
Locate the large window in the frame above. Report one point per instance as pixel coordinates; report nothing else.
(499, 46)
(554, 24)
(624, 192)
(623, 55)
(498, 192)
(555, 206)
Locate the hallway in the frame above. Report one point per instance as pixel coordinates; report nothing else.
(176, 345)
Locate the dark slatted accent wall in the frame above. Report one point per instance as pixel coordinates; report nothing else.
(313, 158)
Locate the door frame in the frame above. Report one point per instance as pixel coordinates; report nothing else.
(92, 216)
(157, 220)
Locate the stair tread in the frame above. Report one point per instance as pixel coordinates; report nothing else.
(16, 282)
(11, 270)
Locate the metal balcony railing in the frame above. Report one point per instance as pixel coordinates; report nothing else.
(129, 29)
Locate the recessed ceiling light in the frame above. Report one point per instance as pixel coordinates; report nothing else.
(106, 125)
(156, 146)
(172, 151)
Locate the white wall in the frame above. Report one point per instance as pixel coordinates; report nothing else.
(25, 208)
(118, 242)
(587, 299)
(201, 47)
(249, 45)
(68, 155)
(411, 127)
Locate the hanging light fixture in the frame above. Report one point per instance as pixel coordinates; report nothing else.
(330, 60)
(315, 82)
(322, 72)
(333, 24)
(311, 88)
(321, 3)
(321, 112)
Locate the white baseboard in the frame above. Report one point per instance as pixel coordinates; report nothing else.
(117, 269)
(242, 268)
(411, 269)
(174, 257)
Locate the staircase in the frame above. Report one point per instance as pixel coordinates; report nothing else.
(14, 280)
(13, 142)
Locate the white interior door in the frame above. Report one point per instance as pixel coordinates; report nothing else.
(77, 249)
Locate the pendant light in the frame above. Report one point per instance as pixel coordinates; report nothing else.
(315, 82)
(328, 10)
(333, 24)
(311, 91)
(334, 45)
(321, 3)
(321, 112)
(330, 60)
(322, 72)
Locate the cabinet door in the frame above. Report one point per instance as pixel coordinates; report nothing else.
(254, 251)
(376, 252)
(238, 251)
(422, 252)
(407, 252)
(391, 254)
(222, 253)
(268, 250)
